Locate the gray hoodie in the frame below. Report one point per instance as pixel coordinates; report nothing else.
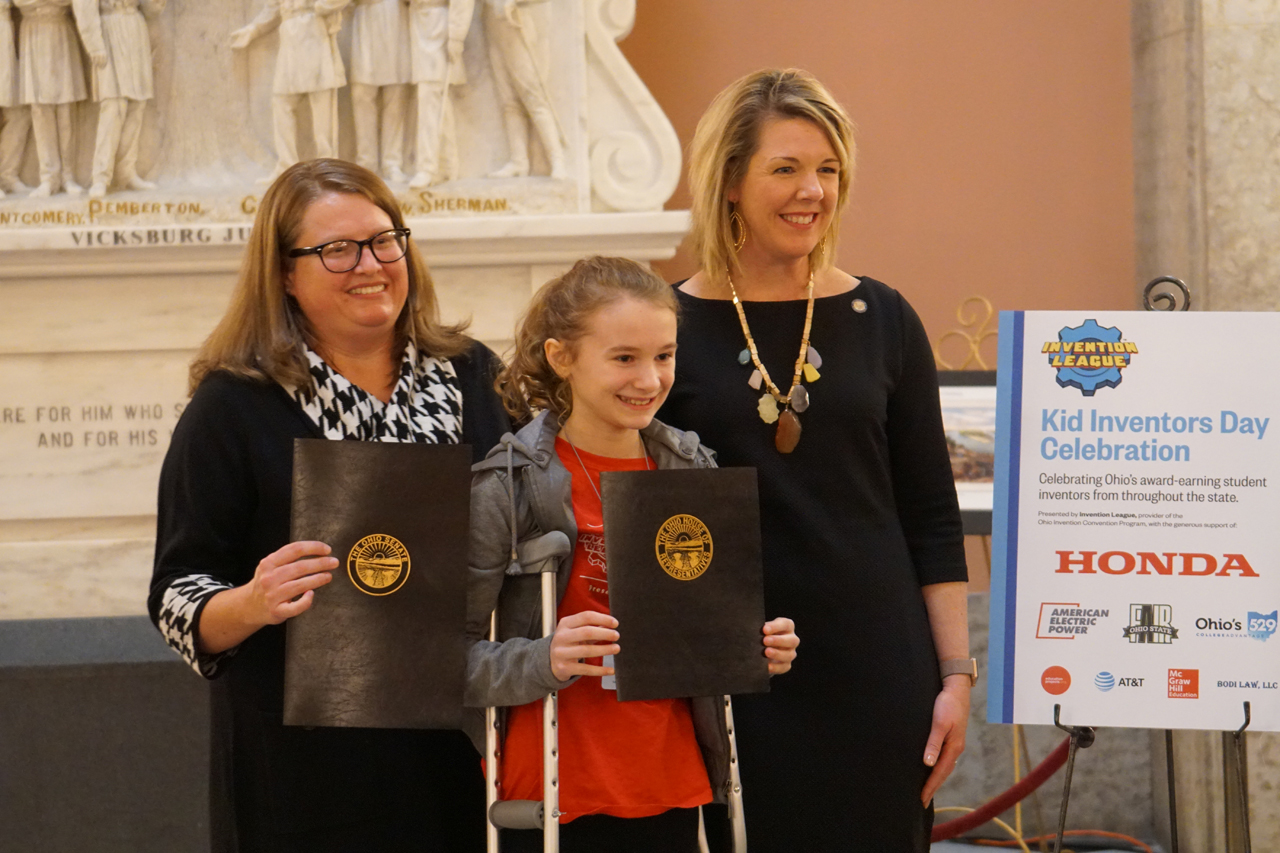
(522, 525)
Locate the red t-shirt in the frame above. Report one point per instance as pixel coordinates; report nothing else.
(626, 759)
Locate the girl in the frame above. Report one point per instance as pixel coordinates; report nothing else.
(595, 352)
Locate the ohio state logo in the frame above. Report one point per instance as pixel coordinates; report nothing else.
(1151, 563)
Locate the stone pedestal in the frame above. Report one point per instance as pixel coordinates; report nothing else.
(1206, 111)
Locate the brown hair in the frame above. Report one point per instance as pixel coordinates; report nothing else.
(728, 135)
(262, 333)
(561, 309)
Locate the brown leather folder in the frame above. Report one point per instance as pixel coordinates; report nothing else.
(382, 645)
(686, 582)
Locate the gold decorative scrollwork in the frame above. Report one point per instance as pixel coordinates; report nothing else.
(975, 327)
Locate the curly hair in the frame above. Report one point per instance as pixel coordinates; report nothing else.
(562, 309)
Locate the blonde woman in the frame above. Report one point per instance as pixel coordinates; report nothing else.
(332, 333)
(825, 383)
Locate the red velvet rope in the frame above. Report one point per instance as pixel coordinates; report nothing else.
(1002, 802)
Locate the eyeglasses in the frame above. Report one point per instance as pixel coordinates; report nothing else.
(344, 255)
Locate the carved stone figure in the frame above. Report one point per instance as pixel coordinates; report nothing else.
(115, 37)
(517, 53)
(380, 66)
(51, 79)
(17, 118)
(308, 67)
(437, 31)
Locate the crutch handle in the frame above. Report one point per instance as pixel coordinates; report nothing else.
(517, 814)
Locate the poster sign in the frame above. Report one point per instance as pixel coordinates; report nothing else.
(1136, 540)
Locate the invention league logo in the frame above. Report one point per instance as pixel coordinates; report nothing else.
(1151, 623)
(1088, 357)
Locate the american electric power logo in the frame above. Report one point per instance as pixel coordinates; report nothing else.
(1066, 620)
(1184, 684)
(1088, 357)
(1151, 623)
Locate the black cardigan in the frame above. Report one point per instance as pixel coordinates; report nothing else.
(224, 504)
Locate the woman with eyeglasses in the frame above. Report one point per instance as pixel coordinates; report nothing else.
(333, 332)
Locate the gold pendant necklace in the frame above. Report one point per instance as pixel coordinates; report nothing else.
(795, 400)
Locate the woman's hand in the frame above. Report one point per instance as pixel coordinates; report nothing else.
(588, 634)
(946, 737)
(283, 586)
(285, 581)
(780, 643)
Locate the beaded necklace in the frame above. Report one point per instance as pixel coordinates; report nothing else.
(797, 399)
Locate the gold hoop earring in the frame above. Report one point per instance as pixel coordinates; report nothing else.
(741, 239)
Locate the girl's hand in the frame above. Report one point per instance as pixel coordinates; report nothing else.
(283, 584)
(780, 643)
(583, 635)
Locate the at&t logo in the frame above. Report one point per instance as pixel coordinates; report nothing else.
(1106, 682)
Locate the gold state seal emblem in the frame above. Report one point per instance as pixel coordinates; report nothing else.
(378, 564)
(683, 545)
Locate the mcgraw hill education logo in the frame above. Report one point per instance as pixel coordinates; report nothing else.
(1065, 620)
(1184, 684)
(1088, 357)
(1151, 623)
(1262, 625)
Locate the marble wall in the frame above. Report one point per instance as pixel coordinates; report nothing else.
(94, 347)
(1206, 113)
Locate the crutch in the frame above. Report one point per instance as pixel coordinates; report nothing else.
(733, 796)
(527, 814)
(532, 814)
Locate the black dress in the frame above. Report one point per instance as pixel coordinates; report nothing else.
(855, 521)
(224, 505)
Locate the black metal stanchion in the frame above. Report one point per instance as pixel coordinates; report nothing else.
(1173, 795)
(1242, 784)
(1166, 300)
(1082, 737)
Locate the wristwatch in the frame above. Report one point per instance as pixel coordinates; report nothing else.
(960, 666)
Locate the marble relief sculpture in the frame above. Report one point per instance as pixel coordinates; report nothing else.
(517, 53)
(115, 37)
(308, 68)
(380, 69)
(477, 101)
(16, 117)
(437, 32)
(51, 79)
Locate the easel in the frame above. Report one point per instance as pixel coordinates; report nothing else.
(1234, 753)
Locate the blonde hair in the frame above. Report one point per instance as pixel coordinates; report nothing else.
(261, 335)
(728, 135)
(561, 309)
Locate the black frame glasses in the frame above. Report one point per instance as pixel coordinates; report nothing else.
(329, 252)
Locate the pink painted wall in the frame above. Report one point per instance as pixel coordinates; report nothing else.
(995, 139)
